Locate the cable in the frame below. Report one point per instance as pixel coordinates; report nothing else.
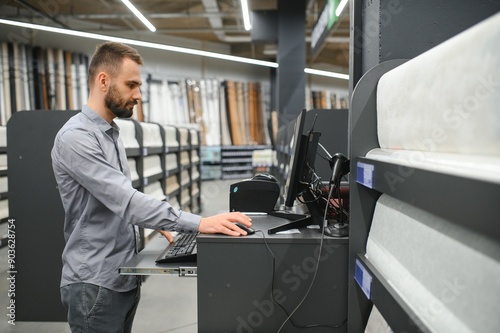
(289, 316)
(314, 276)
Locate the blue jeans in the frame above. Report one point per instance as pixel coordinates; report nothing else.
(94, 309)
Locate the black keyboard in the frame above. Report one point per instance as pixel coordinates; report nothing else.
(182, 249)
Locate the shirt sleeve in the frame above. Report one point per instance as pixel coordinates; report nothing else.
(81, 156)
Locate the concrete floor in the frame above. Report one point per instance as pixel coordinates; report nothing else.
(168, 303)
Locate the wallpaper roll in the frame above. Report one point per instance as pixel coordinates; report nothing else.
(3, 136)
(151, 135)
(132, 165)
(127, 133)
(3, 120)
(224, 121)
(183, 136)
(171, 136)
(172, 184)
(152, 165)
(446, 99)
(447, 275)
(171, 162)
(154, 189)
(6, 83)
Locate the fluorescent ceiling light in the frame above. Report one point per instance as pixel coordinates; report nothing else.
(340, 8)
(326, 73)
(165, 47)
(246, 15)
(139, 15)
(141, 43)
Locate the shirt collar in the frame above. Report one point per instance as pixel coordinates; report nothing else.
(102, 124)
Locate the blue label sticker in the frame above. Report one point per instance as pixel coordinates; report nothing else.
(365, 174)
(363, 278)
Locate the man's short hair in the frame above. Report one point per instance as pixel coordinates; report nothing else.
(109, 57)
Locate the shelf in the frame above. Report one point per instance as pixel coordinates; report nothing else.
(153, 178)
(237, 168)
(173, 193)
(392, 307)
(136, 183)
(147, 151)
(171, 149)
(172, 172)
(465, 197)
(249, 147)
(236, 160)
(133, 152)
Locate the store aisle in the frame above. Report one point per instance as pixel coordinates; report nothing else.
(168, 303)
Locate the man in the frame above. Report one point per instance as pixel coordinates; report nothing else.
(101, 206)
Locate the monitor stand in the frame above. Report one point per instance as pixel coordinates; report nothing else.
(297, 221)
(315, 216)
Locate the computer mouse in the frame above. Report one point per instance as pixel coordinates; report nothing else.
(249, 231)
(265, 176)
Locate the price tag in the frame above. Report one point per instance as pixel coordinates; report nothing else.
(365, 174)
(363, 278)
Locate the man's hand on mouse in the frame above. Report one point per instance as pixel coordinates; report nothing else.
(224, 224)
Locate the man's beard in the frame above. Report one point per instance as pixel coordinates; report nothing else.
(116, 104)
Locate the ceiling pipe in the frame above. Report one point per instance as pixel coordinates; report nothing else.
(215, 20)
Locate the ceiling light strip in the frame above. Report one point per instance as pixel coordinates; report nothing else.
(139, 15)
(140, 43)
(326, 73)
(166, 47)
(341, 7)
(246, 15)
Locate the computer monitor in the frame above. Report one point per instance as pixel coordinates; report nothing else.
(295, 163)
(303, 150)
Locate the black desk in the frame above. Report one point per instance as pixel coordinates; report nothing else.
(235, 277)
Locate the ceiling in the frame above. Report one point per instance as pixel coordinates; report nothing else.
(214, 21)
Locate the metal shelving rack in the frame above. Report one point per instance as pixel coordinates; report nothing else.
(434, 192)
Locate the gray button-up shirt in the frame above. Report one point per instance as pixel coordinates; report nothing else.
(101, 206)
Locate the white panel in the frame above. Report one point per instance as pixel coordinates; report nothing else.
(154, 189)
(447, 275)
(3, 136)
(171, 136)
(4, 209)
(4, 187)
(152, 165)
(485, 168)
(151, 135)
(183, 134)
(127, 133)
(3, 161)
(170, 161)
(447, 99)
(133, 168)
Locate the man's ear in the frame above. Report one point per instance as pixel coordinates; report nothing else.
(103, 81)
